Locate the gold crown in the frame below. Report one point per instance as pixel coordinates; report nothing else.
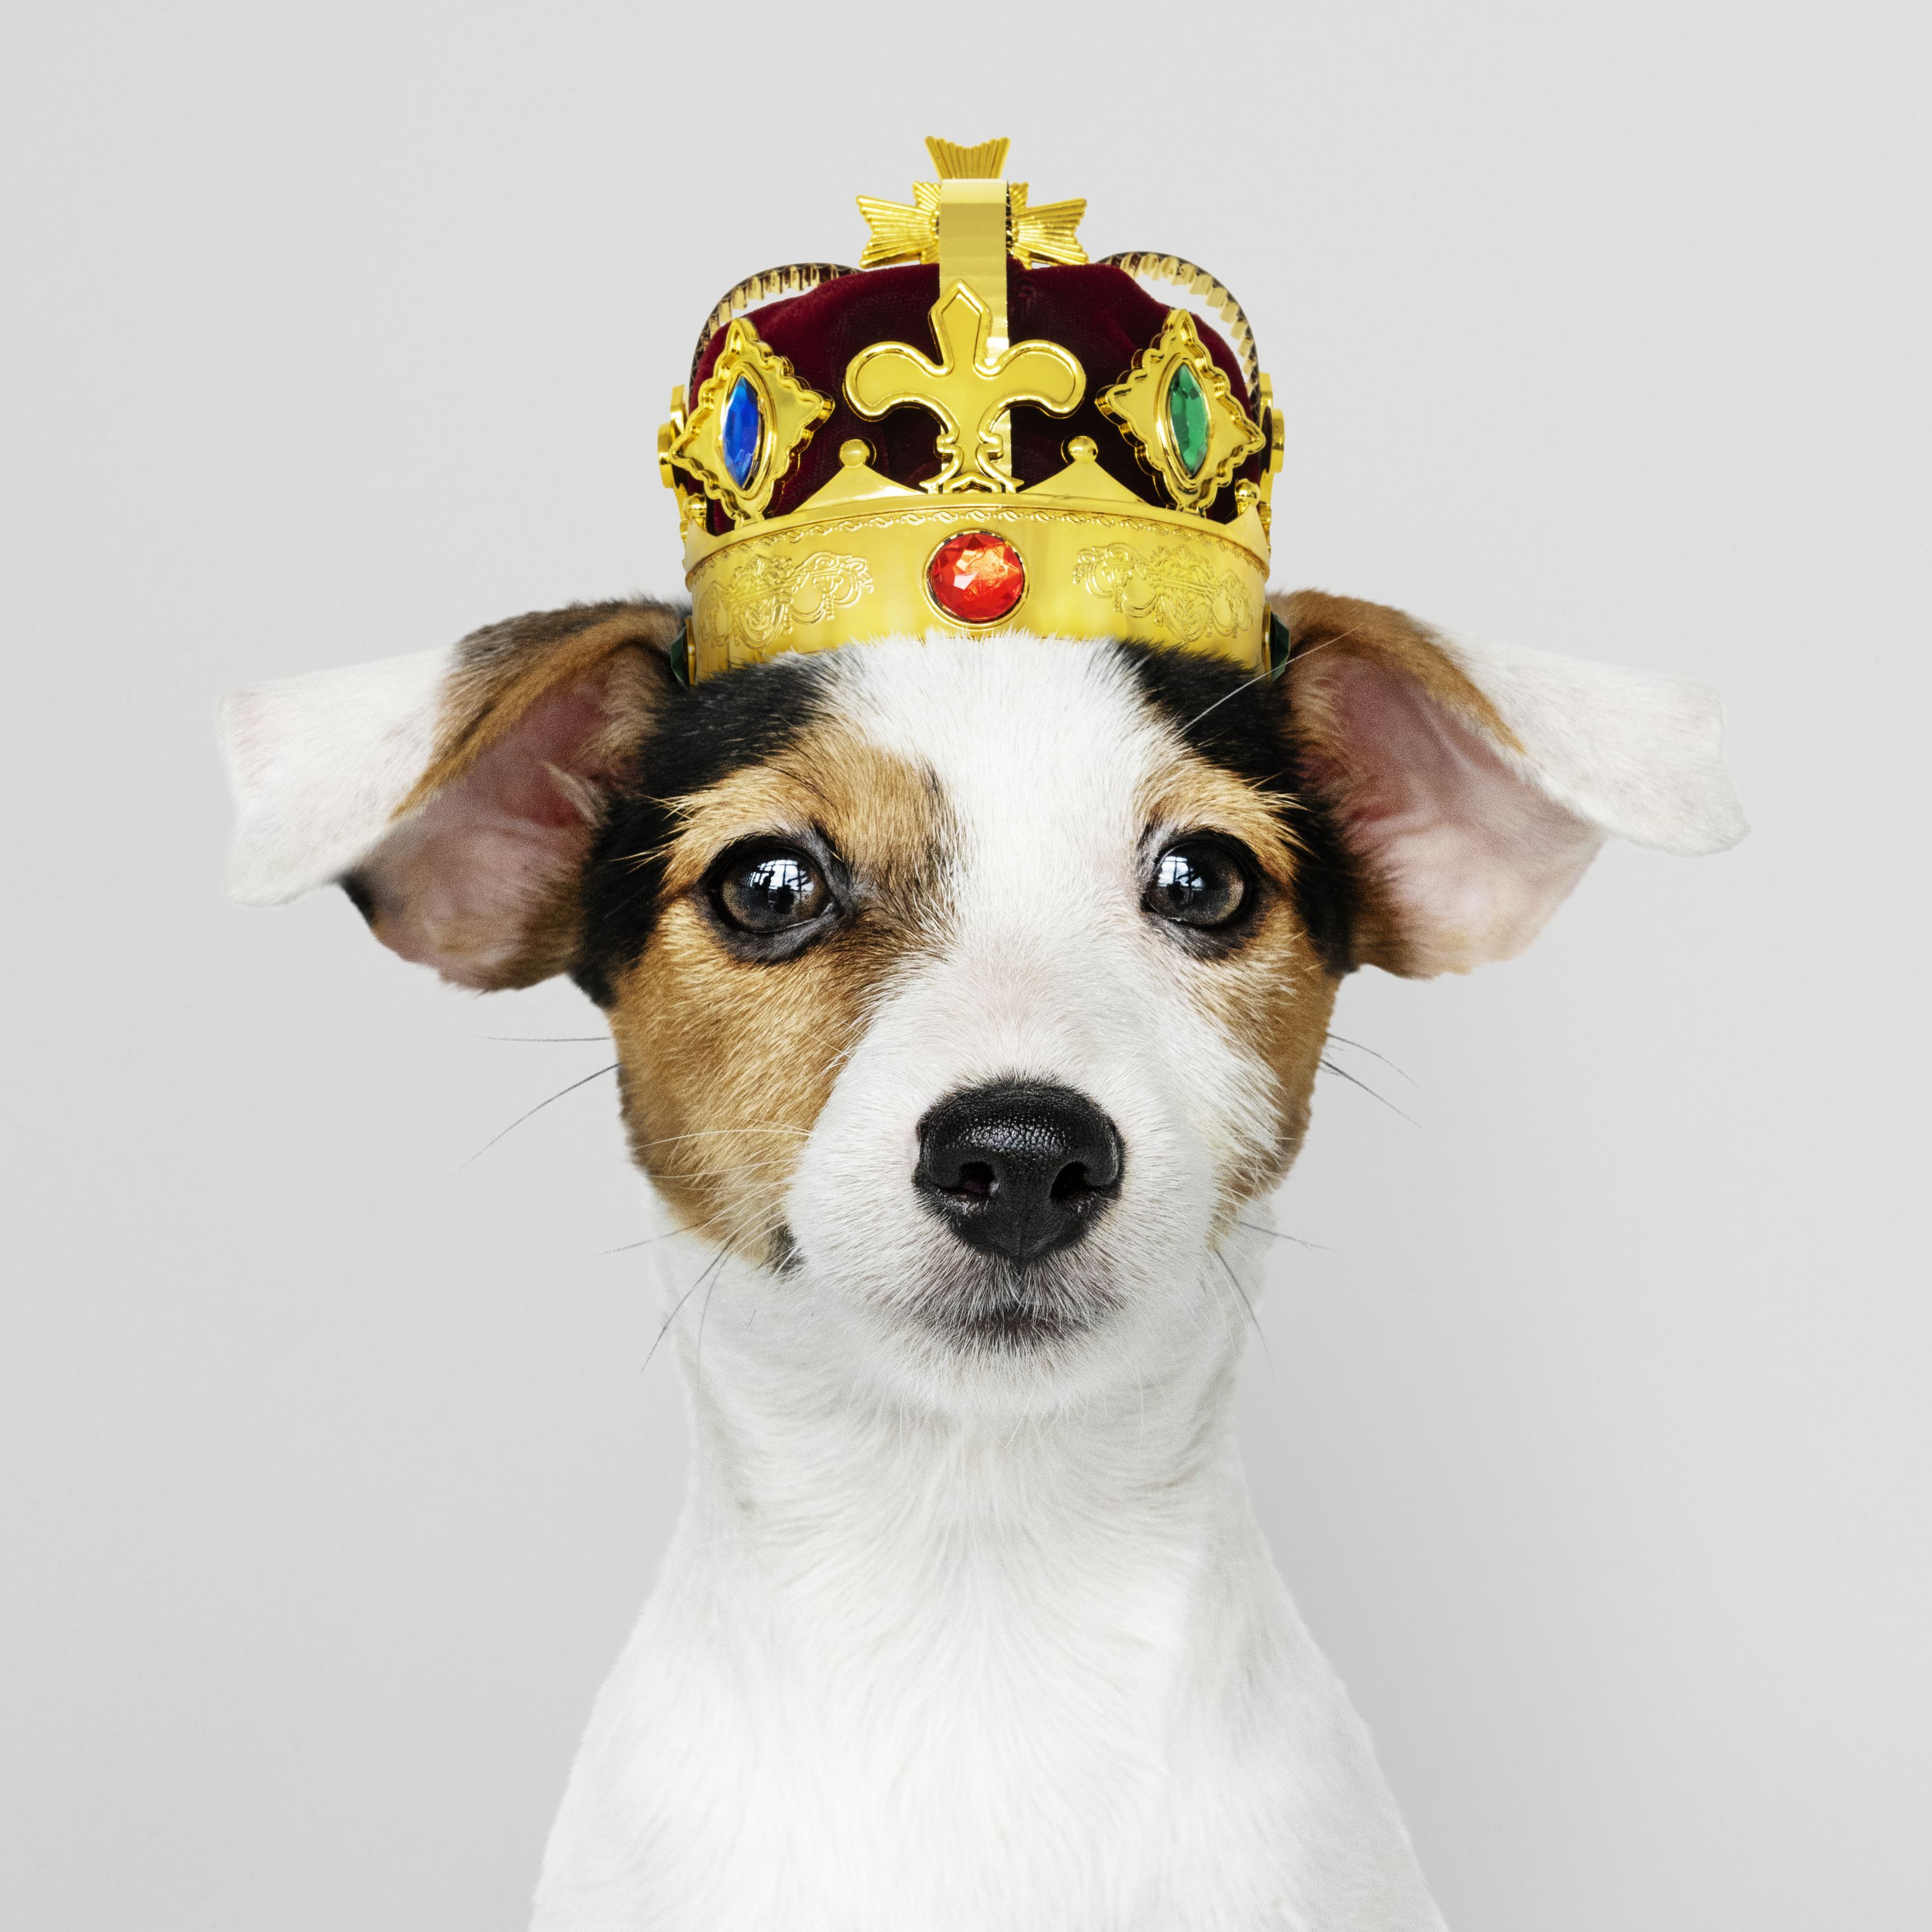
(971, 550)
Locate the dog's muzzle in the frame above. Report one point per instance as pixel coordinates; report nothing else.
(1017, 1168)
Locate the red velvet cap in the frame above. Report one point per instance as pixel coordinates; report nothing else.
(1098, 312)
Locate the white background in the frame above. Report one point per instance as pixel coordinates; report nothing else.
(1594, 1438)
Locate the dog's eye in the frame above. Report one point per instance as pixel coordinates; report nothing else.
(772, 891)
(1198, 882)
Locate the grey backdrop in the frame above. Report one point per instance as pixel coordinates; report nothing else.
(1593, 1439)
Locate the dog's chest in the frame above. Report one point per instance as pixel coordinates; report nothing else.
(1057, 1743)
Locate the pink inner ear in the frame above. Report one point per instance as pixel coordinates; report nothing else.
(557, 736)
(466, 884)
(1474, 858)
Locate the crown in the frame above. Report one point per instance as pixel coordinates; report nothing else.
(976, 429)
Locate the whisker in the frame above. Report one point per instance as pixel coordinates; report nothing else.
(1341, 1040)
(741, 1226)
(1260, 677)
(704, 1313)
(651, 1240)
(1267, 1353)
(718, 1173)
(678, 1309)
(1302, 656)
(548, 1038)
(1345, 1074)
(538, 1109)
(1275, 1234)
(706, 1133)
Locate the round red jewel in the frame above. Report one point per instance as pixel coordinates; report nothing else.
(975, 578)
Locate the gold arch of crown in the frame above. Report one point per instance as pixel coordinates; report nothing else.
(1099, 561)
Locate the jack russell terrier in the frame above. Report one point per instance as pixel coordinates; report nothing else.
(968, 981)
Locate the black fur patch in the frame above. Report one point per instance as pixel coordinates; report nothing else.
(707, 732)
(1242, 724)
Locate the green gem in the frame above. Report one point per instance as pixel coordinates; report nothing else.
(1187, 419)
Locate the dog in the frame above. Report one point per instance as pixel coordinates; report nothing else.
(967, 996)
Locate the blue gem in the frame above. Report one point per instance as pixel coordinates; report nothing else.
(743, 428)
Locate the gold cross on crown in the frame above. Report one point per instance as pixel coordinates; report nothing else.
(903, 233)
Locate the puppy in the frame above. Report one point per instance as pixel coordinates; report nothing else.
(967, 997)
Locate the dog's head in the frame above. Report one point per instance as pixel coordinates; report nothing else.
(972, 986)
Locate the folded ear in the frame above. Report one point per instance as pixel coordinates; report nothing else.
(454, 795)
(1473, 784)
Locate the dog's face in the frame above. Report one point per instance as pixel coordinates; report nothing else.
(981, 984)
(974, 988)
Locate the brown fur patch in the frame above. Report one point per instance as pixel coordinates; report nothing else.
(481, 877)
(1272, 995)
(725, 1062)
(1329, 636)
(1351, 627)
(505, 669)
(1275, 997)
(1189, 793)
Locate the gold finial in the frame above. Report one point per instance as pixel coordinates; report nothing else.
(954, 163)
(904, 231)
(969, 389)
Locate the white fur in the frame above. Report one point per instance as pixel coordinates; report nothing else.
(1477, 842)
(949, 1641)
(319, 764)
(1636, 753)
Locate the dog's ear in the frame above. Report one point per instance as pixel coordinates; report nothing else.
(454, 794)
(1472, 785)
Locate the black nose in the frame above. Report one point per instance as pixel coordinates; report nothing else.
(1016, 1169)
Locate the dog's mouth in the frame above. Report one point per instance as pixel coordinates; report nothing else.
(994, 1306)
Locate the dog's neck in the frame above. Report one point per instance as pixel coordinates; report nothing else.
(811, 1485)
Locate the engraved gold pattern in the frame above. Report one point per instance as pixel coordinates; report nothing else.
(788, 412)
(1216, 570)
(1139, 403)
(968, 388)
(766, 597)
(1179, 590)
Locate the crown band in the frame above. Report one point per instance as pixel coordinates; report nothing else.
(1101, 566)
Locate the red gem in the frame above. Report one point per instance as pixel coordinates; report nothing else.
(976, 577)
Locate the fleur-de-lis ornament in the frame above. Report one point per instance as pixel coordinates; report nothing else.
(970, 389)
